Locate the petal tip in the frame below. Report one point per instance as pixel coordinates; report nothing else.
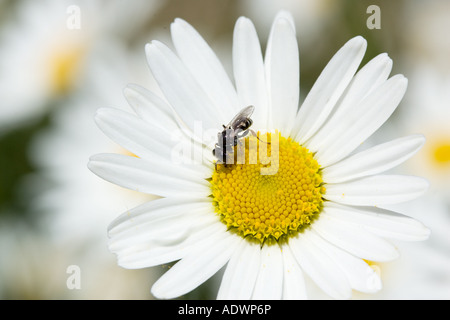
(178, 20)
(421, 139)
(285, 16)
(358, 41)
(152, 46)
(243, 21)
(176, 24)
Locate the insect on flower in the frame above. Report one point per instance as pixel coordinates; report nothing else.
(228, 138)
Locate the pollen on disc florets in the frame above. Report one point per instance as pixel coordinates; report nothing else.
(271, 196)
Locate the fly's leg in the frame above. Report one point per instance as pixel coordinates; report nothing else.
(253, 133)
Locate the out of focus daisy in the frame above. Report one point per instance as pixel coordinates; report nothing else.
(73, 207)
(423, 269)
(428, 102)
(307, 208)
(59, 153)
(33, 267)
(47, 46)
(428, 112)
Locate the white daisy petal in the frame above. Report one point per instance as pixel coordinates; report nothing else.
(365, 119)
(153, 177)
(374, 160)
(151, 108)
(377, 190)
(180, 88)
(284, 14)
(328, 88)
(248, 68)
(372, 75)
(269, 284)
(319, 267)
(354, 239)
(162, 220)
(282, 75)
(206, 68)
(360, 275)
(134, 134)
(382, 222)
(163, 233)
(160, 114)
(199, 265)
(293, 279)
(151, 142)
(153, 253)
(240, 275)
(155, 210)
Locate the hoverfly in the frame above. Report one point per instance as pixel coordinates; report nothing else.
(228, 138)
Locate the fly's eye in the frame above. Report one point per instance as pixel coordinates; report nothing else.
(247, 124)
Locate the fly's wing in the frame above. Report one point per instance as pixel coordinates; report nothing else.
(241, 116)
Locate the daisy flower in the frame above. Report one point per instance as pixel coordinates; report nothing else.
(426, 56)
(316, 215)
(62, 215)
(423, 269)
(430, 100)
(34, 267)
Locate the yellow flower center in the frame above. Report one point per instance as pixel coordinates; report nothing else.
(271, 196)
(65, 68)
(442, 153)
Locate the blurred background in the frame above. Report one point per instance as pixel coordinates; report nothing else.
(61, 60)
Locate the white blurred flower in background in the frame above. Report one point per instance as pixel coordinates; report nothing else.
(77, 206)
(47, 46)
(75, 72)
(81, 201)
(428, 107)
(423, 269)
(34, 267)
